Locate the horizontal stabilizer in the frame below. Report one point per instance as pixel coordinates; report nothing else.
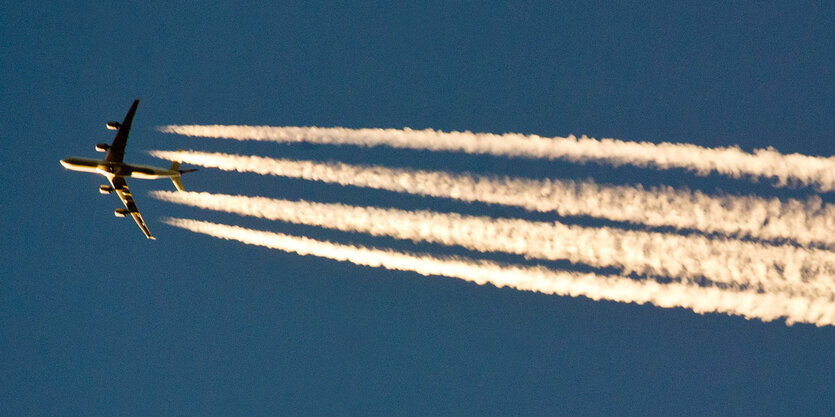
(178, 183)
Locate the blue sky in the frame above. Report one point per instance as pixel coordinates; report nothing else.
(98, 321)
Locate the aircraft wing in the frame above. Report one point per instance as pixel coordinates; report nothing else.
(117, 149)
(121, 187)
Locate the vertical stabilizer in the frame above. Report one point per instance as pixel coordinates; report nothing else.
(175, 166)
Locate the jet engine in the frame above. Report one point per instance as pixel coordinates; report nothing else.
(102, 147)
(111, 125)
(120, 212)
(105, 189)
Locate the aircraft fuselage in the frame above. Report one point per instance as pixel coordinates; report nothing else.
(117, 169)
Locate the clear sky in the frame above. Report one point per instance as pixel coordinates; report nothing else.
(95, 320)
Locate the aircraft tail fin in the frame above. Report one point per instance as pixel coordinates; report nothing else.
(175, 165)
(178, 182)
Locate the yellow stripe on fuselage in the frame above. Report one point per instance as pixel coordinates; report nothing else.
(102, 167)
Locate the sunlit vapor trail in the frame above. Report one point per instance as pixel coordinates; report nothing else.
(749, 304)
(818, 172)
(728, 261)
(809, 222)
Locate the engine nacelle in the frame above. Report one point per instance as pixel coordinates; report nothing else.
(105, 189)
(102, 147)
(111, 125)
(120, 212)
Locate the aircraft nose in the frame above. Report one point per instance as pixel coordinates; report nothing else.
(67, 163)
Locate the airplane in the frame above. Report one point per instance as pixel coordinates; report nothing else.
(116, 170)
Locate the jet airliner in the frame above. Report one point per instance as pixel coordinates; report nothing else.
(116, 170)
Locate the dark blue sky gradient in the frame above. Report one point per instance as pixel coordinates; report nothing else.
(98, 321)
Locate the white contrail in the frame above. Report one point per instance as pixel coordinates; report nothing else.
(742, 264)
(806, 223)
(818, 172)
(746, 303)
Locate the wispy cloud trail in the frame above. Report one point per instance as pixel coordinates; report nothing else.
(728, 261)
(818, 172)
(746, 303)
(805, 222)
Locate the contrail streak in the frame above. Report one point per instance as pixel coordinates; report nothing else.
(818, 172)
(741, 264)
(746, 303)
(809, 222)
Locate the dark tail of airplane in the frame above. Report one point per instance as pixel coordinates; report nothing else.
(178, 183)
(175, 166)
